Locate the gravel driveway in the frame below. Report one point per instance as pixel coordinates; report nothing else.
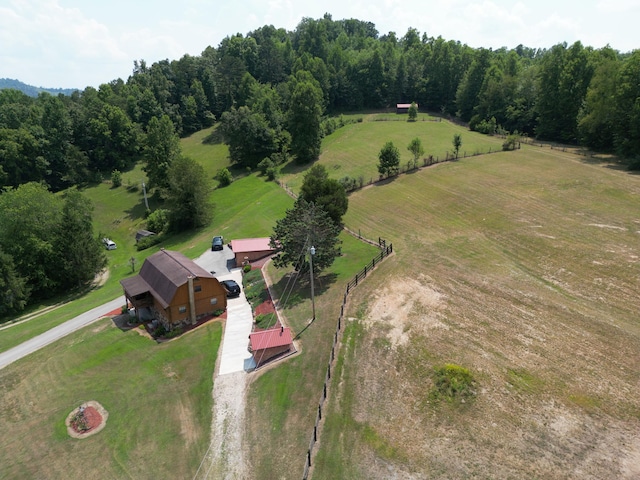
(226, 458)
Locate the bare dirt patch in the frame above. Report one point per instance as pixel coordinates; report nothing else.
(409, 306)
(187, 425)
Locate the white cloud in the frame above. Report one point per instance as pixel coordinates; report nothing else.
(67, 43)
(618, 6)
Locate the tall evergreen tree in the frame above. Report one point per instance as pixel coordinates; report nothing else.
(306, 225)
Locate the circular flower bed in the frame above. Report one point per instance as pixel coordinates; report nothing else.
(87, 419)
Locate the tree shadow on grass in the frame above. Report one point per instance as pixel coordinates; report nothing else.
(295, 288)
(214, 138)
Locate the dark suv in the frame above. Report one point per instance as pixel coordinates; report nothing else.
(217, 244)
(232, 288)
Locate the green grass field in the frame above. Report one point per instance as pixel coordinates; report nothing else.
(520, 266)
(158, 398)
(353, 150)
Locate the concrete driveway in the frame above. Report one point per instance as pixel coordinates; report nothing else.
(218, 262)
(235, 356)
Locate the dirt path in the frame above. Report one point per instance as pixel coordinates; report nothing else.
(227, 458)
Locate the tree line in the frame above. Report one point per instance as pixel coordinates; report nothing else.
(274, 86)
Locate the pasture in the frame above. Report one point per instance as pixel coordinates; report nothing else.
(353, 150)
(522, 267)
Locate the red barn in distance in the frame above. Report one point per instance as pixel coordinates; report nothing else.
(403, 107)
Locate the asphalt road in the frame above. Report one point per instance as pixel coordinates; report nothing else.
(219, 263)
(58, 332)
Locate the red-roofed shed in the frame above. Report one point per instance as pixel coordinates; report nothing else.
(403, 107)
(250, 249)
(267, 344)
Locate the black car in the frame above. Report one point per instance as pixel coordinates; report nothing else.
(217, 244)
(232, 288)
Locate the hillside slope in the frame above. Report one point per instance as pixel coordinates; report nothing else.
(523, 268)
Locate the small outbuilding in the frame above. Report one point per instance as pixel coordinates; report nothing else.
(174, 290)
(140, 234)
(250, 249)
(266, 345)
(403, 107)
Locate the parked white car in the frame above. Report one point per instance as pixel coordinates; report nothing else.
(109, 244)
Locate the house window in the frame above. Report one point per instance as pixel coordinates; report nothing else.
(197, 288)
(214, 301)
(182, 309)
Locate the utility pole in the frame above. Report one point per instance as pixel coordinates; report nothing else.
(144, 191)
(312, 252)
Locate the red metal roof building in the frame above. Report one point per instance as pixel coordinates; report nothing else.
(268, 344)
(403, 107)
(250, 249)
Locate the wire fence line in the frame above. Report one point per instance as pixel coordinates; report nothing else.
(385, 251)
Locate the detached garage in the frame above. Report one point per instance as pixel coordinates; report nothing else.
(247, 250)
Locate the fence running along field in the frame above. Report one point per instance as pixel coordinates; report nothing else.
(385, 251)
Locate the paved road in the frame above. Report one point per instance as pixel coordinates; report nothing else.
(58, 332)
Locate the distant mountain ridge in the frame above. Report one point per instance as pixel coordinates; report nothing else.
(31, 90)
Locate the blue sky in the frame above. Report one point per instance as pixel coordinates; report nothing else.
(77, 43)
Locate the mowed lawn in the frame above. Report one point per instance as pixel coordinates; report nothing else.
(248, 207)
(522, 267)
(353, 150)
(158, 398)
(282, 401)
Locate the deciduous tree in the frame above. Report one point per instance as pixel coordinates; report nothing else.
(305, 112)
(161, 148)
(14, 292)
(389, 157)
(413, 112)
(325, 192)
(457, 143)
(80, 252)
(188, 195)
(416, 149)
(249, 136)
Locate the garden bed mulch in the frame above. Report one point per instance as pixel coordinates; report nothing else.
(95, 420)
(265, 308)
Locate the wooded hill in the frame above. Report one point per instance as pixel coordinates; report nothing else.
(571, 94)
(30, 89)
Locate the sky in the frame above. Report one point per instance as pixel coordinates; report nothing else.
(80, 43)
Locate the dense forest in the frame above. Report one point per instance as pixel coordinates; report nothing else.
(572, 94)
(274, 91)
